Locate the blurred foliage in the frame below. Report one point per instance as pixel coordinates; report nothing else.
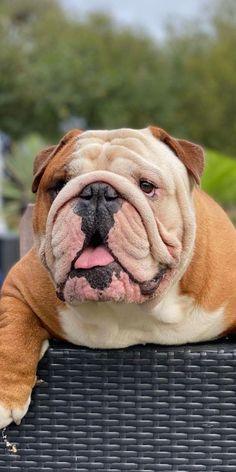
(18, 177)
(219, 178)
(202, 61)
(54, 65)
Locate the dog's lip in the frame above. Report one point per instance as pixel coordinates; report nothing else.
(147, 288)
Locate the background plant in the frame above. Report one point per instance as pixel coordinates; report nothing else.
(18, 178)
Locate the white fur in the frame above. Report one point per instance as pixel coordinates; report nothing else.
(44, 348)
(175, 320)
(8, 415)
(115, 150)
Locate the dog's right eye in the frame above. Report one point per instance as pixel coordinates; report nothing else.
(56, 188)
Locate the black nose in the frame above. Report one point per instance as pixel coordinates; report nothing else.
(100, 193)
(97, 204)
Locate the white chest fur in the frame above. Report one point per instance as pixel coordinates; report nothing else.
(175, 320)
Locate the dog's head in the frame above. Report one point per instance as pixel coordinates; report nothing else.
(114, 218)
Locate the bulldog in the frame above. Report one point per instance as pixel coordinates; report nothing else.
(127, 250)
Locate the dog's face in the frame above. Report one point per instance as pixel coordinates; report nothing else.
(114, 219)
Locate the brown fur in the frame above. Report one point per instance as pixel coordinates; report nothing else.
(51, 170)
(211, 276)
(46, 155)
(27, 318)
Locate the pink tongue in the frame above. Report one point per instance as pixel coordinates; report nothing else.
(93, 256)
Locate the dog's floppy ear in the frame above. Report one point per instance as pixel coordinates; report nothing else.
(192, 155)
(43, 157)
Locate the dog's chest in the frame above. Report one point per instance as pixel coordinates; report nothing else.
(176, 320)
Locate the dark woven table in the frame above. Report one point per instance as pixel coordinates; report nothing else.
(146, 408)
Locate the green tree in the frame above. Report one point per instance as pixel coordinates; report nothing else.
(202, 67)
(60, 66)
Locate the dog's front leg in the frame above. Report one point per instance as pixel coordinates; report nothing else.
(22, 342)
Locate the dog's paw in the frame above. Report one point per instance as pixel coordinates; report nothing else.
(8, 415)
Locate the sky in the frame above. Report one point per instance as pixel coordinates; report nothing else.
(149, 15)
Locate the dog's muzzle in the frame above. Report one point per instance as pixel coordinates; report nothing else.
(97, 204)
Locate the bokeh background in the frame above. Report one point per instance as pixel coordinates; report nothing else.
(107, 64)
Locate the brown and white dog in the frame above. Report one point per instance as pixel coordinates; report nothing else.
(127, 250)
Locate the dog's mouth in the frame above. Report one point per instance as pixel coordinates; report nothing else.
(96, 263)
(96, 254)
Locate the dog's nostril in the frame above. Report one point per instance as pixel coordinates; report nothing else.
(99, 190)
(87, 193)
(110, 193)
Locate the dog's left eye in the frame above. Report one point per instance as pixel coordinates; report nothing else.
(147, 187)
(56, 188)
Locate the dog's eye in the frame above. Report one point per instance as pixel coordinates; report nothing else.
(56, 188)
(147, 187)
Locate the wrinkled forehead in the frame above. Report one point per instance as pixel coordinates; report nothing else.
(95, 150)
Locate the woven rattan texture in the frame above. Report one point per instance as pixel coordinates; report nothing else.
(138, 409)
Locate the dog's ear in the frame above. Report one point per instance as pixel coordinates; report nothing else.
(40, 164)
(192, 155)
(44, 157)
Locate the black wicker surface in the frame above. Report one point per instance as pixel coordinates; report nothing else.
(146, 408)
